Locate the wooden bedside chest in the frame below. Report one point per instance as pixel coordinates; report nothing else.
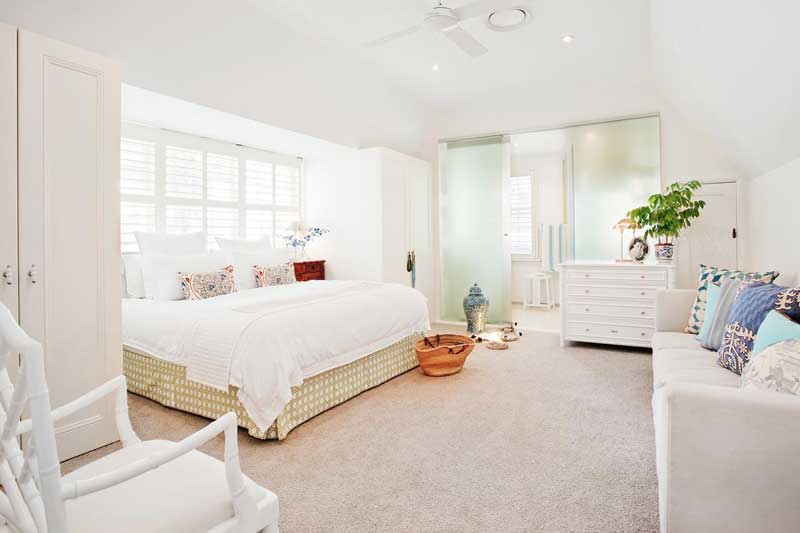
(308, 270)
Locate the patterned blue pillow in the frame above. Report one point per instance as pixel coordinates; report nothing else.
(752, 304)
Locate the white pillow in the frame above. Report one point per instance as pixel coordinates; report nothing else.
(161, 279)
(244, 246)
(134, 278)
(151, 243)
(243, 264)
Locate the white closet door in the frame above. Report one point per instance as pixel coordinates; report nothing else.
(69, 115)
(396, 242)
(9, 281)
(421, 226)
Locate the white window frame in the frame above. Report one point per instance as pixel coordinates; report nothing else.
(534, 255)
(162, 138)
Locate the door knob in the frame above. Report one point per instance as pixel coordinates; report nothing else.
(8, 275)
(33, 275)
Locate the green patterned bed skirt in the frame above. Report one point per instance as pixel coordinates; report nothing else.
(166, 383)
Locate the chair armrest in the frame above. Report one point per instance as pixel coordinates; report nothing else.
(673, 307)
(243, 504)
(727, 459)
(118, 385)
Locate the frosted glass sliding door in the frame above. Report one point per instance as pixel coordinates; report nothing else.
(616, 167)
(474, 226)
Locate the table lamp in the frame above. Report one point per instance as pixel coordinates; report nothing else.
(622, 225)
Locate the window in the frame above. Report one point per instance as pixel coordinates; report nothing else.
(523, 234)
(179, 183)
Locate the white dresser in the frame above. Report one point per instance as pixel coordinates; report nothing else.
(611, 303)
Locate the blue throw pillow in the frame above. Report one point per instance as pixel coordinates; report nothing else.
(776, 327)
(752, 304)
(712, 298)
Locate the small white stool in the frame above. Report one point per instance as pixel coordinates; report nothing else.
(535, 290)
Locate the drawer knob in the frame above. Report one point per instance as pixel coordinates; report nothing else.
(587, 275)
(614, 331)
(642, 276)
(588, 329)
(587, 309)
(643, 334)
(643, 312)
(643, 294)
(586, 291)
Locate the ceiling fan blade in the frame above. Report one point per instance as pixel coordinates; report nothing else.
(481, 8)
(458, 36)
(392, 36)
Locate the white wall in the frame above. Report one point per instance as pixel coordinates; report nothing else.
(771, 238)
(338, 193)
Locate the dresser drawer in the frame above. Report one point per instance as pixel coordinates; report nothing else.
(611, 275)
(609, 332)
(610, 291)
(608, 310)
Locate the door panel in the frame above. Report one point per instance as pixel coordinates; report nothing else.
(69, 226)
(9, 269)
(709, 240)
(9, 281)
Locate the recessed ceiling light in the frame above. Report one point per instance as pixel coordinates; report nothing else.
(568, 38)
(435, 67)
(508, 19)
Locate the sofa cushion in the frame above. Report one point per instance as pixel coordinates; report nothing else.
(708, 275)
(690, 365)
(749, 310)
(664, 340)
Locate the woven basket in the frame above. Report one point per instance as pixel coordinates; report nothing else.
(443, 355)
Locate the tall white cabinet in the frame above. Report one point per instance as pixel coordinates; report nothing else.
(406, 189)
(60, 219)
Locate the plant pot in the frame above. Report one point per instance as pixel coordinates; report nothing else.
(665, 252)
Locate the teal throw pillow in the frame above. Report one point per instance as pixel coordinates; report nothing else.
(776, 328)
(712, 298)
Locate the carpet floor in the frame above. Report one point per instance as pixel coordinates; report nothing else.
(534, 438)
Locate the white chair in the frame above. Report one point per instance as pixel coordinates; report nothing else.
(144, 487)
(534, 290)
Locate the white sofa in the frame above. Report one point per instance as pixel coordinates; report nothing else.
(728, 459)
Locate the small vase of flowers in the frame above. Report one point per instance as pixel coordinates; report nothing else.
(301, 236)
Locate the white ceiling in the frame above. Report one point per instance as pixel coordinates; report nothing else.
(611, 39)
(725, 71)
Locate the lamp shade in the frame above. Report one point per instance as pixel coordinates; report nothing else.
(625, 223)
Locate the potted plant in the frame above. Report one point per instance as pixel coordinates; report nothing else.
(666, 215)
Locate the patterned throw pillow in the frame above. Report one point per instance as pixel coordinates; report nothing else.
(749, 310)
(777, 368)
(716, 275)
(282, 274)
(202, 285)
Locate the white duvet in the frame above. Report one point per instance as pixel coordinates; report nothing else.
(266, 341)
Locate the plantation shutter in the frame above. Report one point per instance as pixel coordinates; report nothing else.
(521, 215)
(177, 183)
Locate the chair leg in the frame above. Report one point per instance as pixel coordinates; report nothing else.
(272, 528)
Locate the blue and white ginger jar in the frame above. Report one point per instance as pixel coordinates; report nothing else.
(475, 306)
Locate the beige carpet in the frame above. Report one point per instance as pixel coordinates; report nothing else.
(535, 438)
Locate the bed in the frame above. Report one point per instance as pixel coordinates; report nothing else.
(276, 356)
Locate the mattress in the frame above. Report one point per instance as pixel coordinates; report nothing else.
(264, 342)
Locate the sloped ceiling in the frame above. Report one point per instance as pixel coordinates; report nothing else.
(731, 67)
(232, 56)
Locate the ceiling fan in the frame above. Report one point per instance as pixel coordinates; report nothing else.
(445, 21)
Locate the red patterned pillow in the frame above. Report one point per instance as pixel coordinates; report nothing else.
(202, 285)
